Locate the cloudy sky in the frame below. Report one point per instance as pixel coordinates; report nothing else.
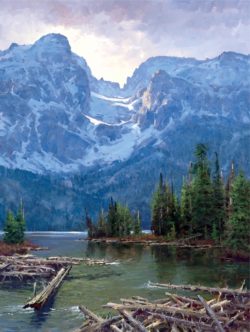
(115, 36)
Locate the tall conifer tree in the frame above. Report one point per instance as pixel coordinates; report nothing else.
(219, 206)
(239, 222)
(202, 195)
(11, 233)
(101, 224)
(20, 222)
(228, 190)
(112, 218)
(186, 208)
(137, 224)
(159, 208)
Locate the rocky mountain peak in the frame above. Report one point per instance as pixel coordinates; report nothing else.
(12, 46)
(53, 41)
(54, 47)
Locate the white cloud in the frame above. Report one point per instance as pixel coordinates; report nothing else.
(115, 36)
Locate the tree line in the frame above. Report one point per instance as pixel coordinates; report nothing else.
(117, 221)
(208, 205)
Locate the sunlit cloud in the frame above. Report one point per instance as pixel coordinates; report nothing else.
(115, 36)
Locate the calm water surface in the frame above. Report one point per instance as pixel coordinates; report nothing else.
(93, 286)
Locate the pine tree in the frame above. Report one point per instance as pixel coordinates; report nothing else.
(89, 225)
(228, 189)
(172, 233)
(239, 222)
(14, 228)
(101, 225)
(159, 207)
(215, 235)
(202, 193)
(186, 209)
(20, 222)
(137, 224)
(113, 229)
(123, 220)
(219, 212)
(165, 209)
(11, 229)
(173, 212)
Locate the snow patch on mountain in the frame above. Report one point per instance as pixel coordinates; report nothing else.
(111, 99)
(121, 149)
(96, 122)
(110, 110)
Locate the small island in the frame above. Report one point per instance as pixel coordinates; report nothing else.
(209, 212)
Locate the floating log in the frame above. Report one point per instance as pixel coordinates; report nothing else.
(90, 314)
(195, 288)
(45, 295)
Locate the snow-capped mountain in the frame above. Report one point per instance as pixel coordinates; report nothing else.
(44, 89)
(57, 119)
(227, 70)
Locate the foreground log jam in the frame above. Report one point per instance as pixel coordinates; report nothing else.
(227, 310)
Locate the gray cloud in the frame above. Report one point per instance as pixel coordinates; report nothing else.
(138, 28)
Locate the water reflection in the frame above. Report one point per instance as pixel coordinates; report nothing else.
(174, 265)
(113, 251)
(96, 250)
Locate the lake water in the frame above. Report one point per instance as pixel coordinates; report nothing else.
(94, 286)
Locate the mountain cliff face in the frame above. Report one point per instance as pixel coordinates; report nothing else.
(89, 139)
(43, 90)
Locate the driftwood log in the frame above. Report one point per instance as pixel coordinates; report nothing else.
(195, 288)
(212, 314)
(45, 295)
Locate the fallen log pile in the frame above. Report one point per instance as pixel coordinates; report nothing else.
(28, 267)
(228, 310)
